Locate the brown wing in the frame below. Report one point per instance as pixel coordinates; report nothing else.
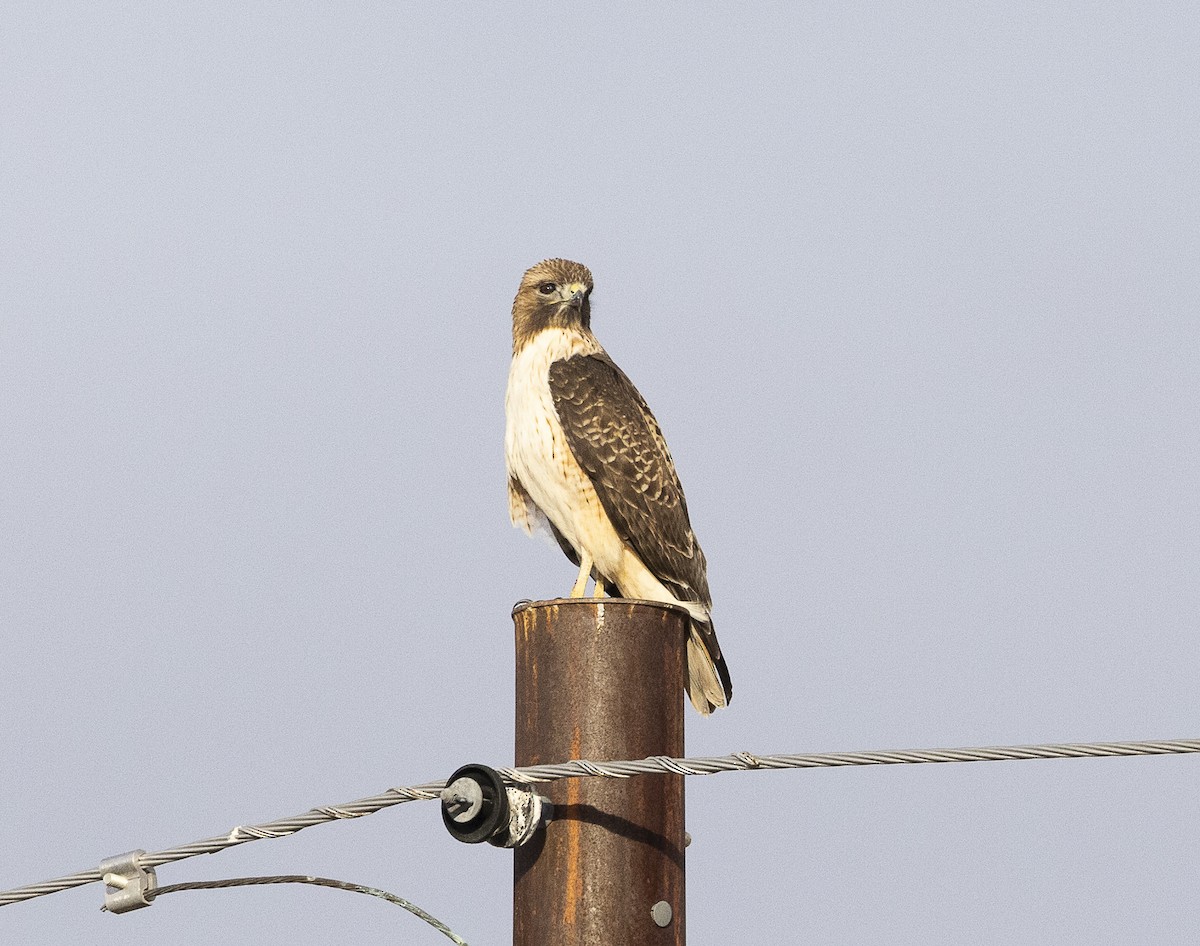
(617, 442)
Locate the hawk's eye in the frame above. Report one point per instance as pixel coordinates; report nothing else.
(547, 288)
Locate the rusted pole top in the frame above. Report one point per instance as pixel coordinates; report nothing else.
(601, 679)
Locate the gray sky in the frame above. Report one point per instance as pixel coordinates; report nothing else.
(912, 289)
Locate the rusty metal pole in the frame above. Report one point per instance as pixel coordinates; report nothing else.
(601, 680)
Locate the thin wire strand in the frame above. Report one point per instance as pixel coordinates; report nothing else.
(317, 882)
(582, 768)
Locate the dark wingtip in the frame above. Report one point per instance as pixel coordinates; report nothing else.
(726, 683)
(708, 636)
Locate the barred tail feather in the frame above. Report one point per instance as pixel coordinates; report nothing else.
(708, 684)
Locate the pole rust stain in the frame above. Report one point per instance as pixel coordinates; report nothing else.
(574, 868)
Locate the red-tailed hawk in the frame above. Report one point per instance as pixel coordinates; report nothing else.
(587, 460)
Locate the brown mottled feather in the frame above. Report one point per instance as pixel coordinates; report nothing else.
(617, 441)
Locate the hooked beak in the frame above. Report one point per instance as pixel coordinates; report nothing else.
(578, 292)
(577, 299)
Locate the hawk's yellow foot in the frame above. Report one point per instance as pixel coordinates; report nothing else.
(585, 572)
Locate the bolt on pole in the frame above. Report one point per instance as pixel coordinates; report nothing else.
(601, 679)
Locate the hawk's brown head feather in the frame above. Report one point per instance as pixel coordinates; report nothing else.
(555, 292)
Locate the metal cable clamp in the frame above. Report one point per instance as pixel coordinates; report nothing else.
(127, 884)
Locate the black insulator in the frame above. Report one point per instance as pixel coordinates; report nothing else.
(475, 804)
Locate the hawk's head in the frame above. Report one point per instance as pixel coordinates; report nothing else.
(554, 293)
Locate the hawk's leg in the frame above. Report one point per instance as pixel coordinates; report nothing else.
(599, 592)
(585, 571)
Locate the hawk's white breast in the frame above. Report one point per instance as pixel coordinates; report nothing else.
(537, 454)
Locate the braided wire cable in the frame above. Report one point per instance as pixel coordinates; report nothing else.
(655, 765)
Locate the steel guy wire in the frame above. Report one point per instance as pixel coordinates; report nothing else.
(582, 768)
(317, 882)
